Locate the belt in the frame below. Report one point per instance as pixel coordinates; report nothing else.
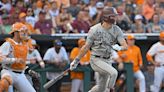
(101, 57)
(15, 71)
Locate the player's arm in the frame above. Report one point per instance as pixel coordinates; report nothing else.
(123, 44)
(152, 52)
(83, 50)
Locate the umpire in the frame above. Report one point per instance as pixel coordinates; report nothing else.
(102, 38)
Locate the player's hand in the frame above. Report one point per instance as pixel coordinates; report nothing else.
(19, 60)
(120, 66)
(42, 64)
(116, 47)
(74, 64)
(157, 64)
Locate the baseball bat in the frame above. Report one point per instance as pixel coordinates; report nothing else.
(51, 82)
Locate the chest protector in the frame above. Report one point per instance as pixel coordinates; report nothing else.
(19, 51)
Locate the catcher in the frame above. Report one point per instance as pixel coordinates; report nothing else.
(14, 54)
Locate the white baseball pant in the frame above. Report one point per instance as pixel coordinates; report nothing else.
(158, 77)
(107, 74)
(77, 85)
(140, 76)
(19, 81)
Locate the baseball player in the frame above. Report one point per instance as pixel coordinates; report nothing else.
(133, 55)
(16, 50)
(77, 77)
(157, 51)
(102, 38)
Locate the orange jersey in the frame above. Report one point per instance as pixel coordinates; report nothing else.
(148, 11)
(85, 58)
(19, 51)
(133, 54)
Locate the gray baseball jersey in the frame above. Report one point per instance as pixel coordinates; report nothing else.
(102, 39)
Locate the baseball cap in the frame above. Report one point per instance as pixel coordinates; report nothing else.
(17, 27)
(100, 5)
(161, 35)
(22, 14)
(58, 43)
(138, 16)
(130, 37)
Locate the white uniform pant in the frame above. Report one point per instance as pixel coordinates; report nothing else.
(107, 74)
(158, 77)
(140, 76)
(19, 81)
(77, 85)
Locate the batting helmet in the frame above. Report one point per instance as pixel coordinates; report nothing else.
(107, 13)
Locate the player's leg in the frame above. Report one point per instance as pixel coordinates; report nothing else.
(82, 86)
(105, 70)
(6, 80)
(139, 75)
(157, 79)
(75, 85)
(22, 84)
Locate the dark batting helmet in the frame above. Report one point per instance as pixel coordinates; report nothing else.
(107, 13)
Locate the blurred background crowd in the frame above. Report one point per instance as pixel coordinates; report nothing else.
(77, 16)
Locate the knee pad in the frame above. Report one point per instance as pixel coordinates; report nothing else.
(5, 82)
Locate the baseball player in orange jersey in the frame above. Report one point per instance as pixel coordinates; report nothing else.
(77, 77)
(16, 50)
(157, 51)
(102, 39)
(133, 55)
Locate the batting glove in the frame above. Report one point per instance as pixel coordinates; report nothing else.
(74, 64)
(116, 47)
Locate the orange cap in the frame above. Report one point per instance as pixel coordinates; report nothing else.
(161, 35)
(81, 42)
(17, 27)
(22, 14)
(130, 37)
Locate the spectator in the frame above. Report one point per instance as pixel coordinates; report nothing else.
(7, 23)
(46, 9)
(92, 8)
(30, 17)
(44, 26)
(97, 17)
(56, 56)
(54, 10)
(73, 9)
(133, 55)
(138, 26)
(123, 20)
(79, 24)
(22, 19)
(64, 20)
(148, 9)
(77, 77)
(5, 5)
(37, 7)
(155, 26)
